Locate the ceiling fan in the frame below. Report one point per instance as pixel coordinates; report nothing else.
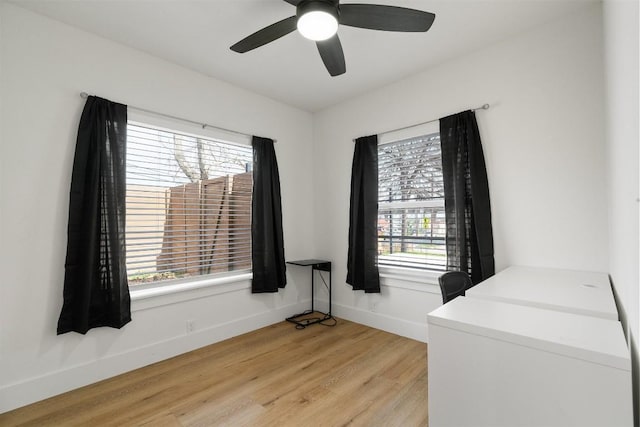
(318, 20)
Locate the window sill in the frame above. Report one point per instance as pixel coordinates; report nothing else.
(149, 296)
(407, 278)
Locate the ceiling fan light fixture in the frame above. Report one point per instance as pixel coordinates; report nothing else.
(317, 25)
(317, 20)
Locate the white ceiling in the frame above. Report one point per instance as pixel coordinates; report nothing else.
(197, 35)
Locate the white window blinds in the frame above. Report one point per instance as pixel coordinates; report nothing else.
(188, 205)
(411, 221)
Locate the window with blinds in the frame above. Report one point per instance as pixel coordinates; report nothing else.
(411, 217)
(188, 205)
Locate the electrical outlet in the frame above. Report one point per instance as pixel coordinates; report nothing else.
(190, 326)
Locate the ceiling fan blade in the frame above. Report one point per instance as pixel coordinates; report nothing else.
(332, 55)
(266, 35)
(385, 18)
(293, 2)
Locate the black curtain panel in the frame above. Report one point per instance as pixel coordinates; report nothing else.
(469, 235)
(96, 290)
(267, 242)
(362, 265)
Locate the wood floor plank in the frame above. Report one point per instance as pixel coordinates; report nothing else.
(349, 374)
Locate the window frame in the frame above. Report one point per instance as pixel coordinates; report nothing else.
(169, 291)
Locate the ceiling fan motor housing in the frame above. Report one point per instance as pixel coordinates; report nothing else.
(328, 6)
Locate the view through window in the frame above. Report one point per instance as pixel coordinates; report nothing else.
(411, 216)
(188, 205)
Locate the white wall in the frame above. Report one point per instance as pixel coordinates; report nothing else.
(543, 140)
(45, 66)
(622, 136)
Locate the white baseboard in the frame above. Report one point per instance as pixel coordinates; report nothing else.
(15, 395)
(394, 325)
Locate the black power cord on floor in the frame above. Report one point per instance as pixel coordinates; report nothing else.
(316, 320)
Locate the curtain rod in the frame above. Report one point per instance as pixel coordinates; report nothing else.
(85, 95)
(483, 107)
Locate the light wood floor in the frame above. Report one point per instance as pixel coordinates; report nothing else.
(276, 376)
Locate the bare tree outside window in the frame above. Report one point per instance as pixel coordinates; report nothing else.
(199, 159)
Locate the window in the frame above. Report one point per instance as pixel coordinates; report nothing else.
(411, 217)
(188, 205)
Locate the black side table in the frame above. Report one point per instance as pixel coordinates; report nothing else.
(306, 318)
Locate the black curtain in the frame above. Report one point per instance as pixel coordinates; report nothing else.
(267, 242)
(96, 291)
(362, 266)
(469, 235)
